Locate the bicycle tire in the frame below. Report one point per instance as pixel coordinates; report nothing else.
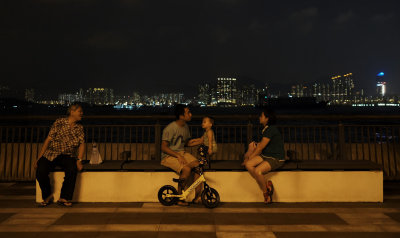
(164, 190)
(210, 198)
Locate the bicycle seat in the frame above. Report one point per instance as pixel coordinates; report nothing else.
(178, 180)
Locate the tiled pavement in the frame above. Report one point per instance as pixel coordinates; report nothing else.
(20, 217)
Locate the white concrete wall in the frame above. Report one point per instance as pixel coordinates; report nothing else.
(291, 186)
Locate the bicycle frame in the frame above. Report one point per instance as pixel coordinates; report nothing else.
(185, 193)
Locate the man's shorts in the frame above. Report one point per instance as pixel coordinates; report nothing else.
(173, 163)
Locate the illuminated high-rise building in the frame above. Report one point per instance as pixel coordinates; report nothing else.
(136, 98)
(214, 100)
(299, 90)
(100, 96)
(68, 98)
(320, 91)
(342, 88)
(30, 94)
(205, 94)
(380, 85)
(226, 90)
(248, 95)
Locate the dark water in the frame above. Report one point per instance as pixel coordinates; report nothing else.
(296, 115)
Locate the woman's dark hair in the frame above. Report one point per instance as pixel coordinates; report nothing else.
(73, 107)
(180, 110)
(270, 113)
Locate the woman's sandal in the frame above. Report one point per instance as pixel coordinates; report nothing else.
(267, 198)
(47, 202)
(269, 193)
(44, 204)
(64, 203)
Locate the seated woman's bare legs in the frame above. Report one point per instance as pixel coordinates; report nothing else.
(260, 171)
(251, 165)
(257, 167)
(250, 150)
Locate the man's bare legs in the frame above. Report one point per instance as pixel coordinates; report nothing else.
(192, 165)
(185, 173)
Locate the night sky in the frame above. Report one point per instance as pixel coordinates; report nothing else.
(157, 46)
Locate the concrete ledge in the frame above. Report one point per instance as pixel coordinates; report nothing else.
(233, 186)
(234, 165)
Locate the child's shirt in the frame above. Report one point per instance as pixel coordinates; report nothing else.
(206, 142)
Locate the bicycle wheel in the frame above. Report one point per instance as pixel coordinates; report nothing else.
(210, 198)
(162, 195)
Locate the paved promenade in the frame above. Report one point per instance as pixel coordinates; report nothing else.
(21, 217)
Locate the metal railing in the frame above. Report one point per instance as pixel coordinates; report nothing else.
(336, 140)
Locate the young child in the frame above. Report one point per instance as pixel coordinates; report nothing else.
(208, 138)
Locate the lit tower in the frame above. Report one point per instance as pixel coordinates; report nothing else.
(380, 85)
(226, 90)
(348, 87)
(342, 88)
(205, 94)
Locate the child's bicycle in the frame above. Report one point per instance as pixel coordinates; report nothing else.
(168, 195)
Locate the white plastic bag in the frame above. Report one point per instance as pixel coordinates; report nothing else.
(95, 157)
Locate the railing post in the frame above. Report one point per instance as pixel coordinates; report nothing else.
(249, 133)
(341, 142)
(157, 140)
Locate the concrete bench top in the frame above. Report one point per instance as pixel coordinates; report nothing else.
(353, 165)
(234, 165)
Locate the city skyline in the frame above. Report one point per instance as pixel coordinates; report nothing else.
(148, 46)
(228, 92)
(378, 83)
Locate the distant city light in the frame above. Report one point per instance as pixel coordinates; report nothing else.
(381, 74)
(378, 104)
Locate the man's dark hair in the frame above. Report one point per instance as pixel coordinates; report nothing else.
(270, 113)
(180, 110)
